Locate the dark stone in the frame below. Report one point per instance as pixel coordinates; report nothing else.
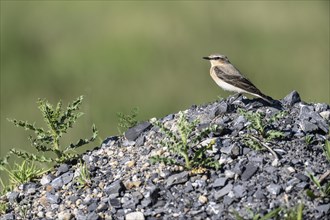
(188, 187)
(62, 180)
(93, 216)
(154, 195)
(219, 109)
(92, 207)
(9, 216)
(302, 177)
(238, 123)
(239, 191)
(27, 187)
(233, 150)
(109, 140)
(168, 117)
(308, 127)
(146, 202)
(137, 195)
(227, 200)
(292, 98)
(13, 197)
(133, 133)
(63, 168)
(222, 192)
(250, 170)
(53, 199)
(140, 141)
(323, 208)
(220, 182)
(73, 198)
(129, 204)
(115, 188)
(302, 185)
(274, 189)
(259, 194)
(102, 207)
(115, 203)
(177, 179)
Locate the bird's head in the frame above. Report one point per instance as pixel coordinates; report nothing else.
(217, 59)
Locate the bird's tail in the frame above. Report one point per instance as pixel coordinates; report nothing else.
(268, 99)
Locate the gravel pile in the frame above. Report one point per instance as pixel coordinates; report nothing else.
(125, 185)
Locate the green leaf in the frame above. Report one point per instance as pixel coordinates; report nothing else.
(271, 214)
(30, 156)
(310, 194)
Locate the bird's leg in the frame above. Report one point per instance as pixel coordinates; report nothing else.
(236, 96)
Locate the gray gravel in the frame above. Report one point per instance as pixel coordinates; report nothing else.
(125, 185)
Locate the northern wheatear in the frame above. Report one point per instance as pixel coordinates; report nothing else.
(229, 78)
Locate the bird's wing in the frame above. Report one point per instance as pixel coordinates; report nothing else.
(236, 79)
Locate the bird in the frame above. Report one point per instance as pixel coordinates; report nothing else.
(229, 78)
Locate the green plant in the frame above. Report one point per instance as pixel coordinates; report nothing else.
(24, 210)
(309, 139)
(326, 149)
(84, 178)
(324, 191)
(58, 122)
(5, 187)
(3, 207)
(23, 173)
(261, 124)
(295, 213)
(127, 121)
(256, 216)
(185, 144)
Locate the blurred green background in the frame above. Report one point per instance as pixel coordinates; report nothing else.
(148, 54)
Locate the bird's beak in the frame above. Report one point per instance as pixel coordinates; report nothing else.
(206, 58)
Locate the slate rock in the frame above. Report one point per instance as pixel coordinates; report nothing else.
(308, 127)
(154, 195)
(52, 199)
(220, 182)
(13, 197)
(102, 207)
(8, 216)
(63, 168)
(62, 180)
(168, 117)
(223, 191)
(146, 202)
(239, 191)
(219, 109)
(133, 133)
(92, 216)
(274, 189)
(92, 207)
(140, 141)
(292, 98)
(115, 188)
(130, 204)
(302, 177)
(227, 200)
(323, 208)
(250, 170)
(177, 179)
(115, 203)
(259, 194)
